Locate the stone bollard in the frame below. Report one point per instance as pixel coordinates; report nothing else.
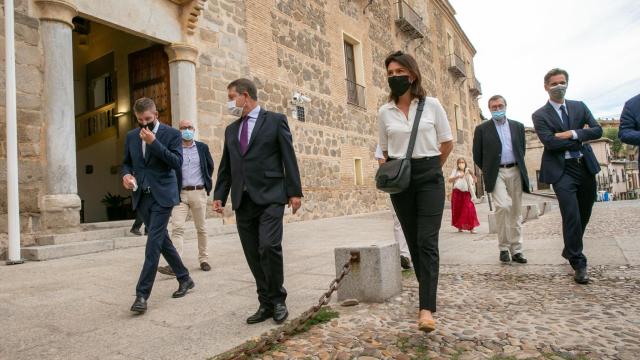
(529, 212)
(375, 278)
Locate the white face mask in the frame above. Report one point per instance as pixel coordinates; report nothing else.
(233, 108)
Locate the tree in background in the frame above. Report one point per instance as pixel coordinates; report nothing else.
(612, 134)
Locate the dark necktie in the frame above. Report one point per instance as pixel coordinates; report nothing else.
(565, 121)
(565, 117)
(244, 135)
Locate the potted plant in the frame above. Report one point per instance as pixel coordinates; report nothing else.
(115, 206)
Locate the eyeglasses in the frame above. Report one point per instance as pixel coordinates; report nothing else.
(186, 127)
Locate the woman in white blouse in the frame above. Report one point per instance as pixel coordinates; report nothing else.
(420, 207)
(463, 211)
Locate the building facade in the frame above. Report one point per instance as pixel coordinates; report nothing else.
(82, 63)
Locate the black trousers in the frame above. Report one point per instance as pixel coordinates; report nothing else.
(576, 193)
(419, 209)
(137, 223)
(260, 230)
(156, 219)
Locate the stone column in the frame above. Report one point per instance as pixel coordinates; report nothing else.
(182, 72)
(60, 205)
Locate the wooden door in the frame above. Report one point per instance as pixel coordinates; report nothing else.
(149, 77)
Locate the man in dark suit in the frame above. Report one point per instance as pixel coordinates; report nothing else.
(568, 163)
(152, 155)
(259, 167)
(498, 149)
(194, 182)
(629, 132)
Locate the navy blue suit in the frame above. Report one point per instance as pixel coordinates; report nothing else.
(630, 122)
(206, 166)
(573, 179)
(155, 197)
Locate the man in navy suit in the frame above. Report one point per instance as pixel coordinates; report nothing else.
(568, 163)
(630, 122)
(152, 155)
(260, 169)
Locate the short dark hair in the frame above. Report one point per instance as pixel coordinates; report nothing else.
(497, 97)
(242, 85)
(144, 104)
(407, 61)
(554, 72)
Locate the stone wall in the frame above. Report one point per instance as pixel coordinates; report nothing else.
(285, 46)
(31, 125)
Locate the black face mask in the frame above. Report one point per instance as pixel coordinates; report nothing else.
(148, 126)
(399, 84)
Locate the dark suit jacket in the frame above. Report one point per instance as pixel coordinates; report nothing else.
(547, 122)
(487, 150)
(206, 166)
(630, 122)
(158, 169)
(268, 170)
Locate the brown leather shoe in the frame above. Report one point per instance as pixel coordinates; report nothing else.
(205, 266)
(166, 270)
(426, 322)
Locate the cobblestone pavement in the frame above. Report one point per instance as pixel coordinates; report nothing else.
(499, 311)
(490, 312)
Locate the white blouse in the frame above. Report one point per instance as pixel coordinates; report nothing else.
(462, 184)
(394, 129)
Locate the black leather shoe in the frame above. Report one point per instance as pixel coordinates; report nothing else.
(135, 232)
(261, 315)
(280, 313)
(581, 276)
(504, 256)
(139, 306)
(519, 258)
(205, 266)
(183, 288)
(405, 263)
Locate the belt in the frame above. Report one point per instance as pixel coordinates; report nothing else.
(508, 165)
(146, 190)
(191, 188)
(578, 160)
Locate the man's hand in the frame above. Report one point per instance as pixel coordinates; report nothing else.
(565, 135)
(128, 181)
(295, 203)
(217, 206)
(147, 136)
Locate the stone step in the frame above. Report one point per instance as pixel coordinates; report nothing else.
(127, 224)
(48, 252)
(113, 240)
(59, 239)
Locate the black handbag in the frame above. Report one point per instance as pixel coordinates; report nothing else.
(394, 175)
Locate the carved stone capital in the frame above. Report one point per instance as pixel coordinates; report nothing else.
(56, 10)
(181, 52)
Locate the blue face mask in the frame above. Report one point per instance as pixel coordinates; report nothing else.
(187, 135)
(498, 115)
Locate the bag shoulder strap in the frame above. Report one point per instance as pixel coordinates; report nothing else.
(414, 131)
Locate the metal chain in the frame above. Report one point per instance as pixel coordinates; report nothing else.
(282, 333)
